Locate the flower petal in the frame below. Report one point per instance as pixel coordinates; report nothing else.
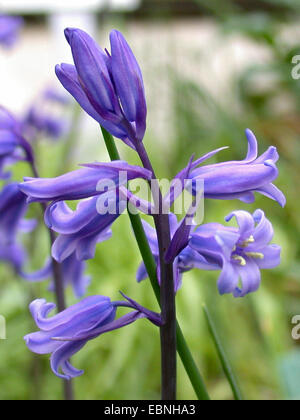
(250, 276)
(60, 360)
(252, 146)
(228, 279)
(271, 191)
(128, 80)
(263, 232)
(245, 221)
(271, 257)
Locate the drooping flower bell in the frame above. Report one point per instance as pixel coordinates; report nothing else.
(66, 333)
(8, 141)
(9, 29)
(80, 230)
(13, 146)
(42, 118)
(73, 274)
(239, 179)
(108, 86)
(13, 207)
(239, 252)
(82, 183)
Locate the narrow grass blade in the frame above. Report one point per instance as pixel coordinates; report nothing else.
(222, 355)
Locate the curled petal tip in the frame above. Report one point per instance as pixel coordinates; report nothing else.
(270, 163)
(252, 145)
(282, 202)
(68, 34)
(229, 217)
(248, 132)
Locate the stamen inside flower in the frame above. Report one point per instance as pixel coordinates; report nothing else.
(248, 241)
(257, 255)
(240, 259)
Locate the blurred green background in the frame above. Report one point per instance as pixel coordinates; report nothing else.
(201, 96)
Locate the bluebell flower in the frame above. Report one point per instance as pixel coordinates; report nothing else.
(9, 29)
(239, 179)
(41, 119)
(73, 274)
(81, 183)
(9, 140)
(109, 87)
(240, 252)
(12, 140)
(13, 207)
(66, 333)
(38, 122)
(80, 230)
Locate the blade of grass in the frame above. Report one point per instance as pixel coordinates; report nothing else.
(222, 355)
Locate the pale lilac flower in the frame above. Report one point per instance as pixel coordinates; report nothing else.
(239, 179)
(240, 252)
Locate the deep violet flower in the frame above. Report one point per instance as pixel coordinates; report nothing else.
(9, 29)
(239, 179)
(66, 333)
(41, 119)
(9, 140)
(81, 183)
(73, 274)
(109, 87)
(38, 122)
(239, 252)
(80, 230)
(13, 207)
(12, 140)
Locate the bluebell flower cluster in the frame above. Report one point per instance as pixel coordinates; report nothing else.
(109, 87)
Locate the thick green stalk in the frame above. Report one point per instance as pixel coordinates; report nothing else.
(222, 355)
(182, 347)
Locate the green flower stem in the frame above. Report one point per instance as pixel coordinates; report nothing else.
(222, 355)
(142, 241)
